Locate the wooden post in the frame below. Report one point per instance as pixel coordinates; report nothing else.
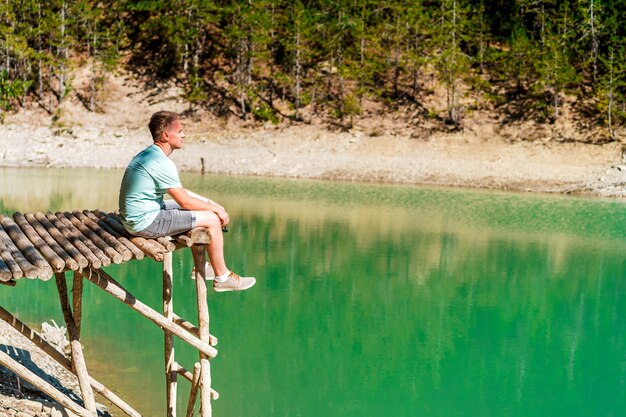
(199, 260)
(77, 301)
(168, 312)
(78, 360)
(193, 394)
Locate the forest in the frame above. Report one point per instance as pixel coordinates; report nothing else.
(268, 60)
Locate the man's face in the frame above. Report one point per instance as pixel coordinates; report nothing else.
(175, 135)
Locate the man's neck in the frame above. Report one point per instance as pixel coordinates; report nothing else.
(165, 147)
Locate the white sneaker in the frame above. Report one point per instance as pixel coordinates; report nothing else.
(209, 273)
(234, 283)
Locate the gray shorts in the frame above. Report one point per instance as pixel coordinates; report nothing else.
(171, 220)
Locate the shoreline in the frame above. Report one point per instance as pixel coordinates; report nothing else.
(463, 160)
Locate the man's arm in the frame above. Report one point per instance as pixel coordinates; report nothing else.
(189, 200)
(202, 198)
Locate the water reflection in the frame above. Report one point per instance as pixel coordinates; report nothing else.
(374, 300)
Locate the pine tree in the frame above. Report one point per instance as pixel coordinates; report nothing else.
(451, 61)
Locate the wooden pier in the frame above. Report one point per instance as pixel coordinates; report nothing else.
(43, 245)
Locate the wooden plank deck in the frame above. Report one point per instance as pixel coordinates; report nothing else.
(37, 245)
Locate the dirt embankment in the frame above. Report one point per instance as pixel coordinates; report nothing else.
(381, 148)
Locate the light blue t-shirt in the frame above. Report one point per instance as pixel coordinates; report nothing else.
(148, 176)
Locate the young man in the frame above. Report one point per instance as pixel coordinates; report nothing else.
(149, 176)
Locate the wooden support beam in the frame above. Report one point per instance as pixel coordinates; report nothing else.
(199, 260)
(77, 301)
(56, 234)
(78, 360)
(55, 261)
(24, 373)
(70, 262)
(170, 360)
(108, 284)
(186, 241)
(199, 235)
(191, 328)
(51, 351)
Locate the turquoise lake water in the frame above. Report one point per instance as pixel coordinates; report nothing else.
(371, 300)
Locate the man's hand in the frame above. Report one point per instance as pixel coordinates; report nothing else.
(223, 215)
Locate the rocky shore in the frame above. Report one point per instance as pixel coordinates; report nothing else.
(17, 397)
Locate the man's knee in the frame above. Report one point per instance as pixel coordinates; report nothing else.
(207, 219)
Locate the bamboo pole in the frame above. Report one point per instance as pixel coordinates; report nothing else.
(193, 394)
(105, 236)
(78, 360)
(55, 261)
(56, 234)
(121, 237)
(170, 361)
(51, 351)
(93, 237)
(199, 261)
(10, 363)
(29, 270)
(26, 247)
(82, 241)
(108, 284)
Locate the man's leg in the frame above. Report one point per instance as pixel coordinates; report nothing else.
(215, 249)
(224, 280)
